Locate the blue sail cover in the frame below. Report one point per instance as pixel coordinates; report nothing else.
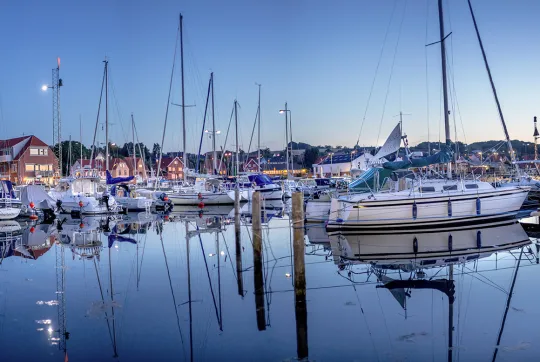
(260, 179)
(115, 237)
(6, 190)
(116, 180)
(443, 156)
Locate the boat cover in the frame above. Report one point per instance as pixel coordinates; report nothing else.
(116, 180)
(37, 195)
(260, 179)
(443, 156)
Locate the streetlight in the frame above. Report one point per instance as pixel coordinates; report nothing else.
(210, 133)
(288, 125)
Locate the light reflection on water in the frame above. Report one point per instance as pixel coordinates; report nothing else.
(127, 288)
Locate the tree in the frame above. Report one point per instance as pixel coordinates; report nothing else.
(75, 154)
(310, 156)
(156, 150)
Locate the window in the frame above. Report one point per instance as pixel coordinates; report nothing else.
(450, 188)
(176, 162)
(427, 189)
(14, 167)
(471, 186)
(43, 152)
(29, 167)
(33, 151)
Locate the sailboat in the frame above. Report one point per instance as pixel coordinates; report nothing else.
(10, 206)
(430, 203)
(205, 191)
(84, 193)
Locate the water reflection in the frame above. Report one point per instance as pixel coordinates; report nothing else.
(162, 287)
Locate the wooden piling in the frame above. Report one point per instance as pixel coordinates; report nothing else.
(258, 278)
(299, 274)
(238, 243)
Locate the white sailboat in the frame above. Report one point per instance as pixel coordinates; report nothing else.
(431, 203)
(10, 206)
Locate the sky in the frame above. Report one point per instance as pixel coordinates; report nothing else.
(345, 68)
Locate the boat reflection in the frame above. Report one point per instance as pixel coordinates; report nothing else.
(421, 249)
(426, 260)
(28, 241)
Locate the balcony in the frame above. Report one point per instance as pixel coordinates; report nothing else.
(6, 158)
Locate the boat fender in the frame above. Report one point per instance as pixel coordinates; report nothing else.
(478, 206)
(479, 239)
(449, 208)
(450, 239)
(414, 211)
(415, 245)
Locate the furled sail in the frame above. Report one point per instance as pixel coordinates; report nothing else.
(443, 156)
(392, 144)
(115, 180)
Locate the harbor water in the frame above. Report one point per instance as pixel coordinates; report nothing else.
(141, 287)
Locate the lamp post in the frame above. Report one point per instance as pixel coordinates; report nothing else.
(288, 126)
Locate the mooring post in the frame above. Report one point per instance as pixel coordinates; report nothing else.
(238, 243)
(299, 274)
(258, 278)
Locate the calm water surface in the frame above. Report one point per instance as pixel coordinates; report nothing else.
(127, 286)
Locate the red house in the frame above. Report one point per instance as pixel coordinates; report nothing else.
(27, 159)
(172, 168)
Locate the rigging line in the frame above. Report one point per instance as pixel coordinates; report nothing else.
(158, 170)
(376, 70)
(209, 279)
(392, 69)
(253, 131)
(103, 300)
(172, 292)
(384, 318)
(97, 117)
(366, 322)
(118, 112)
(507, 304)
(427, 75)
(229, 254)
(226, 136)
(142, 259)
(112, 306)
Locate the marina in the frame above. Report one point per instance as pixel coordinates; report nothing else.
(186, 217)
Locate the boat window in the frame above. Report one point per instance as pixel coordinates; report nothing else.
(450, 188)
(471, 257)
(471, 186)
(451, 260)
(428, 262)
(427, 189)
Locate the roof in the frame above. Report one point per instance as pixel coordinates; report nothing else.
(166, 161)
(342, 157)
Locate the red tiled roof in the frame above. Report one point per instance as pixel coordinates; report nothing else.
(31, 141)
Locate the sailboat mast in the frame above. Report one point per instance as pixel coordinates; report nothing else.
(214, 160)
(236, 132)
(106, 114)
(133, 133)
(450, 316)
(259, 132)
(183, 99)
(287, 138)
(80, 135)
(445, 83)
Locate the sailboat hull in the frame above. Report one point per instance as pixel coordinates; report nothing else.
(399, 214)
(216, 198)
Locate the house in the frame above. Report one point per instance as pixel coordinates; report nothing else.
(172, 168)
(139, 170)
(338, 164)
(27, 159)
(251, 165)
(277, 166)
(224, 166)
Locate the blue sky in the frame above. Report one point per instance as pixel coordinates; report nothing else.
(319, 56)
